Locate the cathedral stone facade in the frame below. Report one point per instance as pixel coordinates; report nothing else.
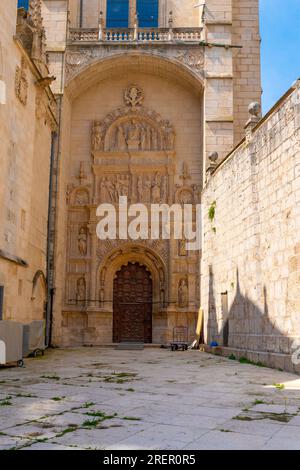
(141, 108)
(145, 104)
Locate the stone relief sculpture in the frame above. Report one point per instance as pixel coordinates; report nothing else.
(169, 135)
(156, 190)
(183, 294)
(133, 128)
(133, 96)
(98, 135)
(113, 187)
(21, 82)
(148, 189)
(81, 290)
(82, 241)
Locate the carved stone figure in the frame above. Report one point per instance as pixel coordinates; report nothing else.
(121, 186)
(81, 289)
(144, 139)
(169, 136)
(156, 195)
(110, 190)
(98, 135)
(134, 132)
(121, 143)
(82, 241)
(183, 294)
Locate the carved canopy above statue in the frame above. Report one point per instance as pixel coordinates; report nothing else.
(132, 128)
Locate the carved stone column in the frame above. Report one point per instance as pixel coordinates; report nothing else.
(93, 265)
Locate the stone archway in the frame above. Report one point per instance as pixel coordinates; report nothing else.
(132, 304)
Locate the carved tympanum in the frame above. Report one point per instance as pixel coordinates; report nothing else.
(133, 128)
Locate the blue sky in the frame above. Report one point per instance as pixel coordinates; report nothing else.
(280, 32)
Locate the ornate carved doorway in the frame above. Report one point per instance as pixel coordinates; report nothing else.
(132, 320)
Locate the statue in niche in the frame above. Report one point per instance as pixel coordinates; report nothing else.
(121, 186)
(183, 294)
(82, 241)
(182, 251)
(121, 143)
(156, 195)
(98, 134)
(107, 190)
(169, 136)
(144, 139)
(81, 290)
(140, 188)
(134, 131)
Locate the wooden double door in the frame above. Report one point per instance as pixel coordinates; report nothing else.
(132, 305)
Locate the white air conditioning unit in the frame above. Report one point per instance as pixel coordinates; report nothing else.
(11, 342)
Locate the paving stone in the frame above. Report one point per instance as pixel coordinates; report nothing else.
(217, 440)
(276, 409)
(180, 404)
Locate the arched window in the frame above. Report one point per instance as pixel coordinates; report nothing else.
(23, 4)
(117, 14)
(148, 13)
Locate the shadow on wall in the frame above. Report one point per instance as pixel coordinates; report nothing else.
(244, 326)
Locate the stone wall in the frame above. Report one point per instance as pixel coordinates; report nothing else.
(251, 245)
(246, 61)
(26, 122)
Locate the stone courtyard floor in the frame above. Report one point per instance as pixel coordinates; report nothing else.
(100, 398)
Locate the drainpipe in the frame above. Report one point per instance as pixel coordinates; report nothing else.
(50, 290)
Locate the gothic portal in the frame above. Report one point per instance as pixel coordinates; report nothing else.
(146, 92)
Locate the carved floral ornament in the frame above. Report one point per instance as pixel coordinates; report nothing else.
(133, 128)
(80, 58)
(134, 96)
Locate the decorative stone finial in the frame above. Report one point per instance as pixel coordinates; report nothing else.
(134, 96)
(255, 109)
(213, 157)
